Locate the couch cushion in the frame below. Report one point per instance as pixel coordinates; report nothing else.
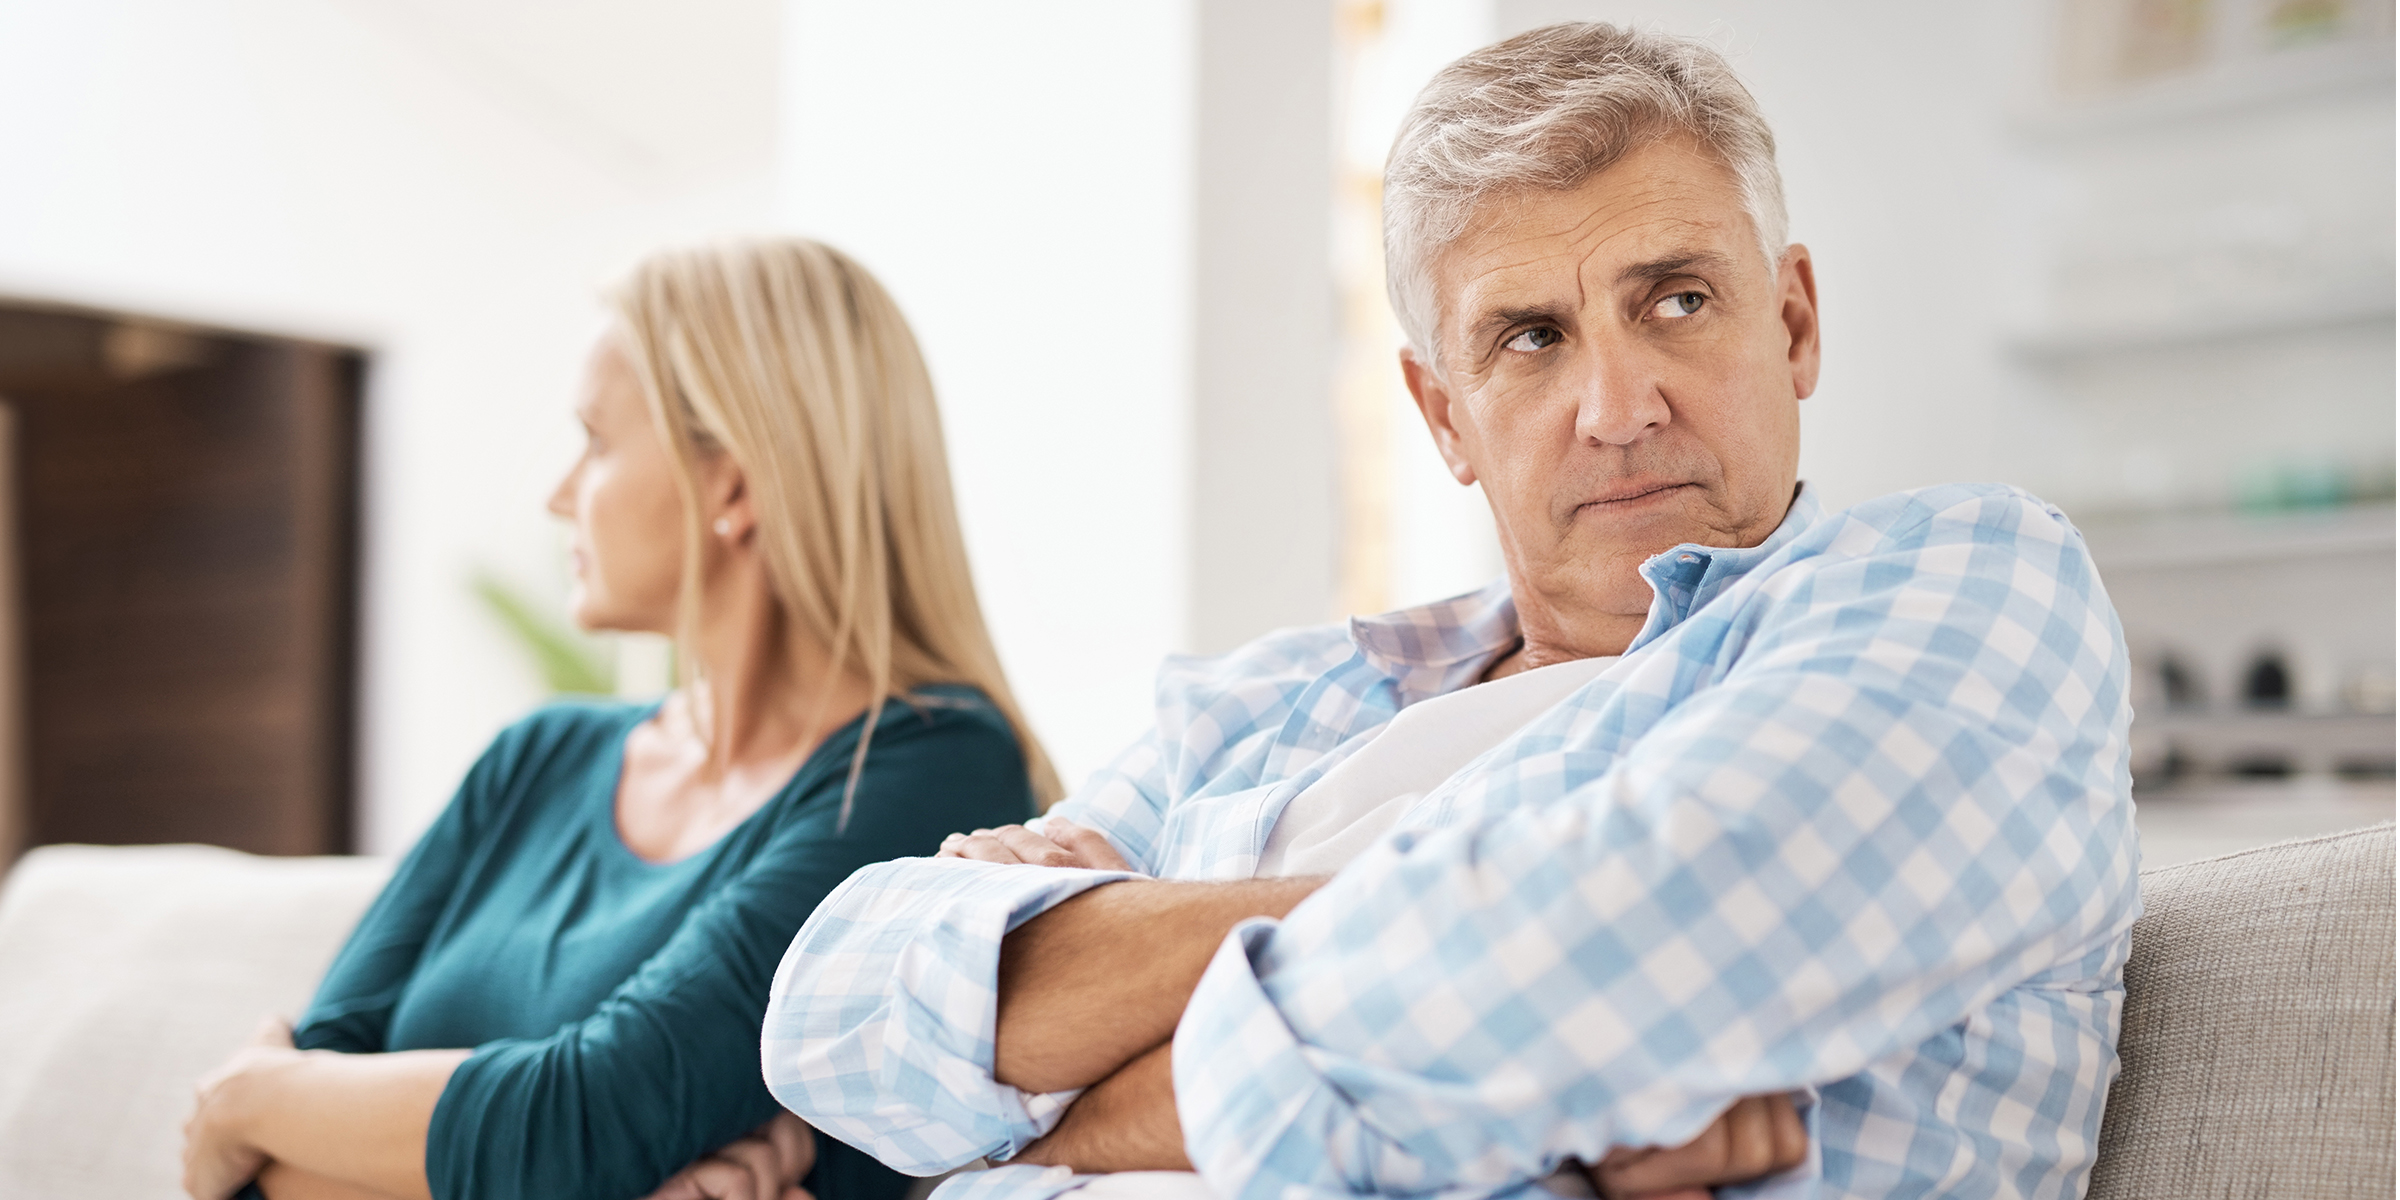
(128, 972)
(2257, 1041)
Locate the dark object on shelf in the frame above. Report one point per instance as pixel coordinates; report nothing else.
(186, 512)
(2259, 766)
(2268, 683)
(2364, 768)
(2177, 684)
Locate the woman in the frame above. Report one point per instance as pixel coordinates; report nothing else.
(559, 993)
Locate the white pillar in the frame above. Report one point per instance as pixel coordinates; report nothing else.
(1265, 489)
(1108, 222)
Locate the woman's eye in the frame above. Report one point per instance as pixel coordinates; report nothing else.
(1535, 339)
(1681, 304)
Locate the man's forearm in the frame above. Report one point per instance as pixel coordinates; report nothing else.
(1125, 1122)
(1102, 978)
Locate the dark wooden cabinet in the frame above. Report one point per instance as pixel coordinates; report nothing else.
(185, 524)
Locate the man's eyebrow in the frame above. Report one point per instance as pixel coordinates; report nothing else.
(1496, 319)
(1696, 262)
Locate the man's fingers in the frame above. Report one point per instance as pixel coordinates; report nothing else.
(1031, 847)
(980, 846)
(1791, 1134)
(1096, 851)
(1058, 844)
(1754, 1137)
(1758, 1136)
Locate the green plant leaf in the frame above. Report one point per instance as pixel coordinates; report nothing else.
(569, 662)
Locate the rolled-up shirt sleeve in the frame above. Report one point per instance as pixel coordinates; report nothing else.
(1885, 797)
(881, 1022)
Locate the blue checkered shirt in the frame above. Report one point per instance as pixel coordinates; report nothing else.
(1850, 818)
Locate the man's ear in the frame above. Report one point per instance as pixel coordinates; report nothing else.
(1796, 279)
(1434, 398)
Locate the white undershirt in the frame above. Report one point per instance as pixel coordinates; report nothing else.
(1365, 795)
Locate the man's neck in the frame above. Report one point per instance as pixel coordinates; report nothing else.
(1541, 645)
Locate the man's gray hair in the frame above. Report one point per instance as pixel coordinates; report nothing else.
(1550, 109)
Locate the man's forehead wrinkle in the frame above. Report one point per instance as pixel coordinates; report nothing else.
(1530, 259)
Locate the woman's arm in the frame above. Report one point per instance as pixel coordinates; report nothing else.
(354, 1119)
(667, 1068)
(248, 1107)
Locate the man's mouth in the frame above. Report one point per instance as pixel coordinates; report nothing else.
(1633, 494)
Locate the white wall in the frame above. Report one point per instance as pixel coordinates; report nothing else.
(443, 183)
(1264, 500)
(1107, 220)
(1020, 176)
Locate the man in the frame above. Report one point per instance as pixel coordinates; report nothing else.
(1715, 800)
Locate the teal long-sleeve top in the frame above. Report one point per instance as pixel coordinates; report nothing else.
(613, 1004)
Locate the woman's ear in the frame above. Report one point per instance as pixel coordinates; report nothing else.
(731, 516)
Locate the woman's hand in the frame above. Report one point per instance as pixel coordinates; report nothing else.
(765, 1165)
(1057, 843)
(1757, 1137)
(217, 1155)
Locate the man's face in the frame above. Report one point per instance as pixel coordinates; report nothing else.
(1622, 373)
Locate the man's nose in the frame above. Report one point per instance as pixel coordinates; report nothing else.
(1620, 401)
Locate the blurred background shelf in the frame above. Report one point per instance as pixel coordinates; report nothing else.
(2334, 72)
(2273, 743)
(2363, 309)
(2178, 540)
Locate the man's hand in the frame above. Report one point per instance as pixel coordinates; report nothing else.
(1058, 843)
(765, 1165)
(1757, 1137)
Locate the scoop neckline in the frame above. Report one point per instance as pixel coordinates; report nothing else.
(605, 812)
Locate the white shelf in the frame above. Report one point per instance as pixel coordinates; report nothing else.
(2060, 347)
(2205, 539)
(2352, 69)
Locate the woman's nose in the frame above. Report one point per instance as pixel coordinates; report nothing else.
(562, 497)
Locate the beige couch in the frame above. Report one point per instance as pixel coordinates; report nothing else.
(2257, 1041)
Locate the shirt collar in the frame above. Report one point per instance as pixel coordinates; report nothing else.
(1437, 648)
(1433, 648)
(1687, 576)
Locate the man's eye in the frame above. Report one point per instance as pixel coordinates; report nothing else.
(1541, 338)
(1681, 304)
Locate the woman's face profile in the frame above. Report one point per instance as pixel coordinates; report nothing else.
(627, 543)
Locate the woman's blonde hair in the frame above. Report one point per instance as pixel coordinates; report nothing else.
(789, 357)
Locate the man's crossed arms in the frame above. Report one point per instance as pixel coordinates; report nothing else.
(1090, 993)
